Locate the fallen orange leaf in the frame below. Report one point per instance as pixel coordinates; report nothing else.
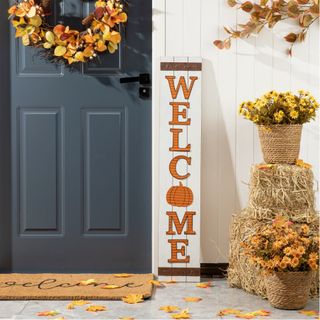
(204, 285)
(87, 282)
(133, 298)
(156, 283)
(169, 281)
(169, 309)
(47, 313)
(245, 316)
(309, 313)
(122, 275)
(226, 312)
(184, 314)
(62, 318)
(261, 313)
(110, 286)
(77, 303)
(96, 308)
(192, 299)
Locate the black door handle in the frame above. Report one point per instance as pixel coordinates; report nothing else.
(143, 78)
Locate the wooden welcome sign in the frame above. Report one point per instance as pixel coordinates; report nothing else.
(180, 151)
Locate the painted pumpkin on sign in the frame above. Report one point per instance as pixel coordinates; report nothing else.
(180, 196)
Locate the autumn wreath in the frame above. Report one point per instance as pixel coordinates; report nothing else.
(102, 34)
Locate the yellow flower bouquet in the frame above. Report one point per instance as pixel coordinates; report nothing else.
(280, 116)
(280, 108)
(288, 253)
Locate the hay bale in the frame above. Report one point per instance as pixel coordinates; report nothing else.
(281, 189)
(241, 273)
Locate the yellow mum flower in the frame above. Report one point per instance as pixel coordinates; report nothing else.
(278, 116)
(294, 114)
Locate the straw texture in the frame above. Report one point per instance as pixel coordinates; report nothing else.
(288, 290)
(277, 190)
(282, 189)
(280, 143)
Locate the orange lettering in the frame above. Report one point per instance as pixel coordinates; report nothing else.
(175, 251)
(182, 83)
(179, 226)
(173, 167)
(175, 142)
(176, 113)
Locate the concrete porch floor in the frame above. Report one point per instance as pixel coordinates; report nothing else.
(214, 299)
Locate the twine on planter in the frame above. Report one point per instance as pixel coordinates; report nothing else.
(280, 143)
(288, 290)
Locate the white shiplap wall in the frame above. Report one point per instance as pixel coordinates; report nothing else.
(251, 67)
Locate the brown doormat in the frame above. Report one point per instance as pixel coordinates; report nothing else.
(73, 286)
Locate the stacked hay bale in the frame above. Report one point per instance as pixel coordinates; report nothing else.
(279, 189)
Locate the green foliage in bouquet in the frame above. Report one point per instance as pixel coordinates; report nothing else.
(280, 108)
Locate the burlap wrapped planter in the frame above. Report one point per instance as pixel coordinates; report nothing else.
(280, 143)
(288, 290)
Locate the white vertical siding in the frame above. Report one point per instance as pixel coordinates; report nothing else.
(250, 68)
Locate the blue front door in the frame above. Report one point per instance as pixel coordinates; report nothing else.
(81, 156)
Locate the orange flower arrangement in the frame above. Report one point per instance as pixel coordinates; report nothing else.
(102, 34)
(283, 246)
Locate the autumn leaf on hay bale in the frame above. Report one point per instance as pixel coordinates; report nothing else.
(133, 298)
(94, 308)
(51, 313)
(169, 309)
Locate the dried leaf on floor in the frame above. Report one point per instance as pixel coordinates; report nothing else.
(192, 299)
(204, 285)
(184, 314)
(94, 308)
(169, 281)
(133, 298)
(77, 303)
(169, 309)
(110, 286)
(87, 282)
(51, 313)
(261, 313)
(241, 315)
(157, 283)
(226, 312)
(126, 318)
(309, 313)
(122, 275)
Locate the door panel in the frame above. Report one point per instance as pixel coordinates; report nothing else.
(40, 176)
(81, 155)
